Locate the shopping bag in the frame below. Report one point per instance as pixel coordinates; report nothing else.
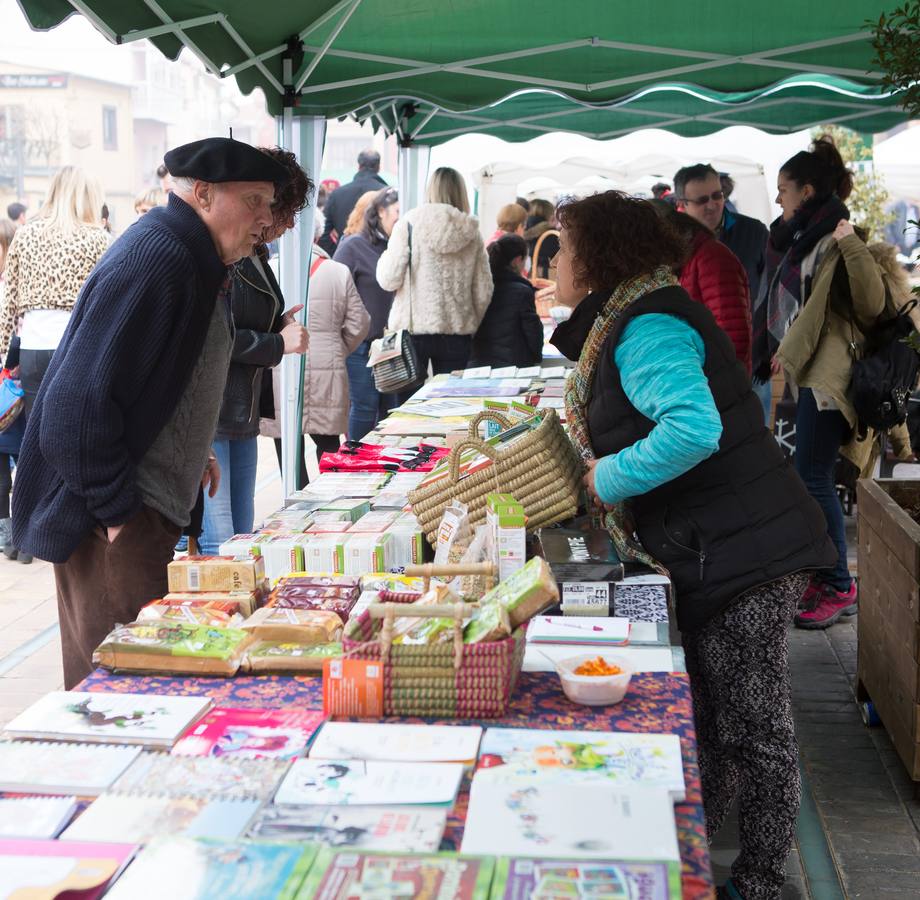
(12, 400)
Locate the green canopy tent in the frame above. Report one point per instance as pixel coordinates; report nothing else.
(427, 71)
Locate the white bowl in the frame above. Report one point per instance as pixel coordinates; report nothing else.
(594, 690)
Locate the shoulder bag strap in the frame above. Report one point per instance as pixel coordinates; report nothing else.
(315, 266)
(409, 289)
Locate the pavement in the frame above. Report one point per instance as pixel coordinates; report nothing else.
(859, 827)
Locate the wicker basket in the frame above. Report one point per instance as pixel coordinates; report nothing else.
(542, 471)
(446, 680)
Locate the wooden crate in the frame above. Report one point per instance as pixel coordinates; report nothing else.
(888, 670)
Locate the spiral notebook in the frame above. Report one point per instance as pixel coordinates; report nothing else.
(138, 818)
(38, 818)
(43, 767)
(209, 778)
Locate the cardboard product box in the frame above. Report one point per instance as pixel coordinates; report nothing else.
(330, 526)
(238, 545)
(507, 533)
(324, 553)
(349, 508)
(216, 573)
(407, 545)
(366, 553)
(243, 602)
(289, 521)
(282, 552)
(373, 522)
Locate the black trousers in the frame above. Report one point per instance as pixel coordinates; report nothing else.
(325, 443)
(32, 367)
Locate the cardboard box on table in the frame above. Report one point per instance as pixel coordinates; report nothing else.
(888, 670)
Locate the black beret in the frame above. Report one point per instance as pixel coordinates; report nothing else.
(224, 159)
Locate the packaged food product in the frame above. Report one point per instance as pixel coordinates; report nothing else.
(216, 573)
(280, 657)
(208, 612)
(507, 533)
(366, 553)
(341, 606)
(489, 623)
(324, 553)
(527, 592)
(302, 626)
(373, 522)
(246, 602)
(419, 630)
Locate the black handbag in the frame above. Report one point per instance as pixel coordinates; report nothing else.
(393, 358)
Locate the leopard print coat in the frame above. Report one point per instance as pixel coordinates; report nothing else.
(45, 269)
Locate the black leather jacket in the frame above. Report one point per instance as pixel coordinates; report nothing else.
(257, 317)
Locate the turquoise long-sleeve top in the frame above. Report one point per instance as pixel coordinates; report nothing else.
(660, 359)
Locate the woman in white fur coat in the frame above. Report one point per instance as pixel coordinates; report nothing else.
(441, 294)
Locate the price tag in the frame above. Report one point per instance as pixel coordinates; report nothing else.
(593, 596)
(353, 687)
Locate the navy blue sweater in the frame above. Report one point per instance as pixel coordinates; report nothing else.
(136, 331)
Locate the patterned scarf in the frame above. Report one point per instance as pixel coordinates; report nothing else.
(780, 296)
(578, 394)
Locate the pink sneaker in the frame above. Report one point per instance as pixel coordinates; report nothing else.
(827, 608)
(812, 594)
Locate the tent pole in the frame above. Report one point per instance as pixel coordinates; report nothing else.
(413, 175)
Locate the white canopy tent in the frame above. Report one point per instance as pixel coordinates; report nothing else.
(897, 160)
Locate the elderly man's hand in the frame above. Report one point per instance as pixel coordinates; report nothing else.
(210, 481)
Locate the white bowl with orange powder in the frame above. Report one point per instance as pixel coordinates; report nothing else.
(593, 679)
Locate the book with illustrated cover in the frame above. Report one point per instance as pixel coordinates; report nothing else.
(273, 733)
(147, 719)
(186, 869)
(42, 870)
(209, 777)
(620, 758)
(389, 828)
(343, 875)
(578, 821)
(567, 879)
(357, 782)
(138, 818)
(397, 742)
(44, 767)
(41, 818)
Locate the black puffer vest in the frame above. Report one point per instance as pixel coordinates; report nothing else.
(739, 519)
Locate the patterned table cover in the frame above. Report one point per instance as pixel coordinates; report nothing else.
(656, 702)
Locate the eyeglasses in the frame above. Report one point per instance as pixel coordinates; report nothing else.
(715, 196)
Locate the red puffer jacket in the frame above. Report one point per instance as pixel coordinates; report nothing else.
(715, 277)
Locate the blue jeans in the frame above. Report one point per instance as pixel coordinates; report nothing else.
(232, 510)
(818, 438)
(764, 393)
(368, 405)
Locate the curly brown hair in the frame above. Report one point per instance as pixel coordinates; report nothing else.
(615, 237)
(295, 195)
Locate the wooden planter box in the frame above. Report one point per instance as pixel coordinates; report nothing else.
(888, 670)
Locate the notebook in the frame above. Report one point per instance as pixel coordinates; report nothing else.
(549, 879)
(41, 818)
(185, 869)
(40, 767)
(278, 733)
(138, 818)
(396, 742)
(342, 875)
(619, 758)
(357, 782)
(588, 630)
(212, 778)
(581, 821)
(147, 719)
(390, 828)
(48, 869)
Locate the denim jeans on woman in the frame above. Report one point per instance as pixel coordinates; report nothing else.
(232, 510)
(368, 405)
(819, 436)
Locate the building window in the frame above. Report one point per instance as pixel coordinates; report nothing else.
(109, 128)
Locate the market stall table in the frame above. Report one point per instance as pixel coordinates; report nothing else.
(656, 702)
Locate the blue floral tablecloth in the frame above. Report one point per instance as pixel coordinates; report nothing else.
(656, 702)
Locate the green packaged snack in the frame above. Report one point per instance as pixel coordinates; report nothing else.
(277, 656)
(489, 623)
(526, 593)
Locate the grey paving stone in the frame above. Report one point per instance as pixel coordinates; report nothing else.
(887, 863)
(871, 885)
(847, 843)
(894, 823)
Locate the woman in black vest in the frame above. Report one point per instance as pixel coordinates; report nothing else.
(674, 442)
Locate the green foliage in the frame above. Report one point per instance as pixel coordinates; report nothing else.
(870, 196)
(896, 41)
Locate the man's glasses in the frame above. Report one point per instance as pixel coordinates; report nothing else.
(715, 196)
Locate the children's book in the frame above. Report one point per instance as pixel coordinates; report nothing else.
(181, 868)
(137, 818)
(148, 719)
(342, 875)
(356, 782)
(209, 777)
(41, 818)
(580, 821)
(43, 767)
(569, 879)
(46, 870)
(589, 630)
(392, 828)
(397, 743)
(618, 758)
(277, 733)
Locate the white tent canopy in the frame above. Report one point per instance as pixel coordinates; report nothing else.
(898, 161)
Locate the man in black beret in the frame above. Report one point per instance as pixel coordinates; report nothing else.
(119, 439)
